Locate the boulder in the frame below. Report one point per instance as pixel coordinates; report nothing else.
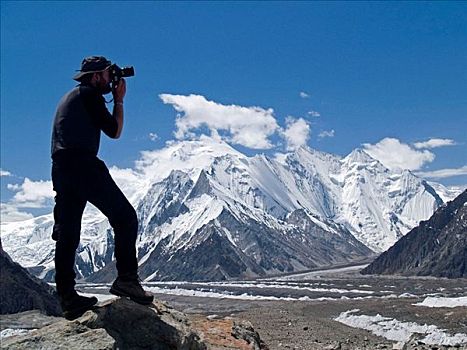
(123, 324)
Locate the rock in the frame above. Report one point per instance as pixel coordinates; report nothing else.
(244, 330)
(333, 346)
(123, 324)
(20, 291)
(32, 319)
(62, 335)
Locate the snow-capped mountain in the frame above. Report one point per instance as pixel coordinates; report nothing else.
(447, 194)
(436, 247)
(207, 211)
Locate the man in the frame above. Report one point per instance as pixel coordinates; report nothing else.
(79, 177)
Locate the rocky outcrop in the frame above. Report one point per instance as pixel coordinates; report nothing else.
(437, 247)
(123, 324)
(20, 291)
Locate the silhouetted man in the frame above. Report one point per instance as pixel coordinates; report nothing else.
(79, 177)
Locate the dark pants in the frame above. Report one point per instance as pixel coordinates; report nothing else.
(81, 179)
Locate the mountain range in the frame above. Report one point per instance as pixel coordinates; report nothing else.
(436, 247)
(209, 212)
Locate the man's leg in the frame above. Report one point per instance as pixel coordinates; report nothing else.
(109, 199)
(68, 212)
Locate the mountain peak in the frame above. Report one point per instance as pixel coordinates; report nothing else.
(187, 149)
(308, 155)
(306, 150)
(189, 156)
(359, 155)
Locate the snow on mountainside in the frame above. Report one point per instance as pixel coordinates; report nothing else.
(447, 194)
(208, 210)
(380, 206)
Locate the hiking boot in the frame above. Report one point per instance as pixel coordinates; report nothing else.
(74, 305)
(131, 288)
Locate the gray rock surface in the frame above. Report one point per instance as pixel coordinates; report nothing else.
(123, 324)
(437, 247)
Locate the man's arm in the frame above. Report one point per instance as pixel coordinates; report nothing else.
(118, 94)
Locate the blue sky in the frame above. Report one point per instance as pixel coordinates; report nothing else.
(385, 76)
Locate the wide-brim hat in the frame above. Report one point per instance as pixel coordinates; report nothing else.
(92, 64)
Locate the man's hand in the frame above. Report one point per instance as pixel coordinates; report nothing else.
(119, 91)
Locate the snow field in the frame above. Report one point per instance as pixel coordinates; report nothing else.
(395, 330)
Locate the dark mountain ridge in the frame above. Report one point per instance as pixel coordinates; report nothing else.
(21, 291)
(437, 247)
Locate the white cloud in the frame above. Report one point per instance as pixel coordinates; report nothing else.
(10, 213)
(40, 194)
(4, 173)
(153, 136)
(325, 133)
(31, 194)
(127, 180)
(13, 187)
(314, 114)
(247, 126)
(297, 133)
(304, 94)
(396, 155)
(443, 173)
(433, 143)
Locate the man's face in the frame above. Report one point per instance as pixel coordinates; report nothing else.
(103, 82)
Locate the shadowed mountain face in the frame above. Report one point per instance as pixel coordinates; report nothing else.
(20, 291)
(437, 247)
